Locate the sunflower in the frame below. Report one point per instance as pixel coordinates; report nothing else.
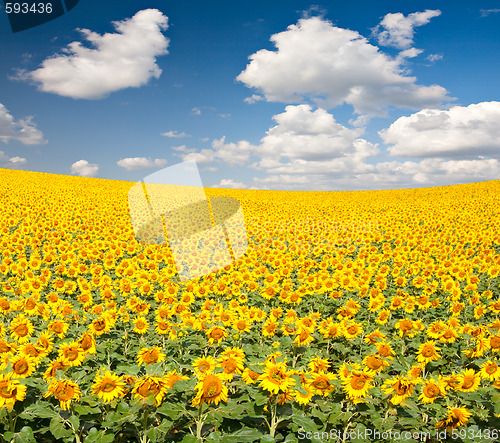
(276, 378)
(64, 391)
(357, 385)
(242, 325)
(468, 381)
(304, 398)
(211, 389)
(45, 342)
(108, 386)
(10, 391)
(269, 327)
(141, 325)
(87, 343)
(150, 356)
(303, 337)
(152, 386)
(216, 334)
(431, 390)
(231, 365)
(71, 354)
(384, 350)
(352, 330)
(321, 383)
(58, 327)
(456, 417)
(21, 328)
(249, 376)
(22, 366)
(204, 364)
(53, 367)
(427, 352)
(400, 387)
(173, 377)
(317, 364)
(100, 326)
(375, 363)
(490, 370)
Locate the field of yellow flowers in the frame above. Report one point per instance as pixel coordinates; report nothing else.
(351, 314)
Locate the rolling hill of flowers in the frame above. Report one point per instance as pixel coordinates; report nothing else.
(353, 316)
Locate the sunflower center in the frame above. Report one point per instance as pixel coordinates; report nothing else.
(21, 367)
(495, 342)
(358, 382)
(401, 388)
(212, 387)
(491, 369)
(21, 330)
(321, 383)
(431, 391)
(6, 392)
(108, 386)
(468, 383)
(427, 352)
(72, 354)
(99, 325)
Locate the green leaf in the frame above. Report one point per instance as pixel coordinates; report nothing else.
(242, 436)
(58, 429)
(41, 410)
(214, 437)
(189, 439)
(75, 422)
(305, 423)
(25, 435)
(171, 410)
(95, 436)
(267, 439)
(86, 410)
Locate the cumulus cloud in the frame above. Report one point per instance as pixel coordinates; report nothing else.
(330, 65)
(458, 132)
(230, 183)
(253, 99)
(22, 130)
(124, 59)
(304, 141)
(84, 169)
(397, 30)
(175, 134)
(11, 162)
(133, 163)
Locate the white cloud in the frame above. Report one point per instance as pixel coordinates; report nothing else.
(332, 66)
(116, 61)
(486, 12)
(196, 111)
(434, 57)
(84, 169)
(23, 130)
(253, 99)
(175, 134)
(458, 132)
(231, 153)
(10, 162)
(397, 30)
(133, 163)
(230, 183)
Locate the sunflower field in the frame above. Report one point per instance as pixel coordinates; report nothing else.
(352, 316)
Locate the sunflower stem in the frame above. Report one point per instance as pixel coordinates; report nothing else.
(199, 422)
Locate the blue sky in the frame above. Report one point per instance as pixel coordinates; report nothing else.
(266, 95)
